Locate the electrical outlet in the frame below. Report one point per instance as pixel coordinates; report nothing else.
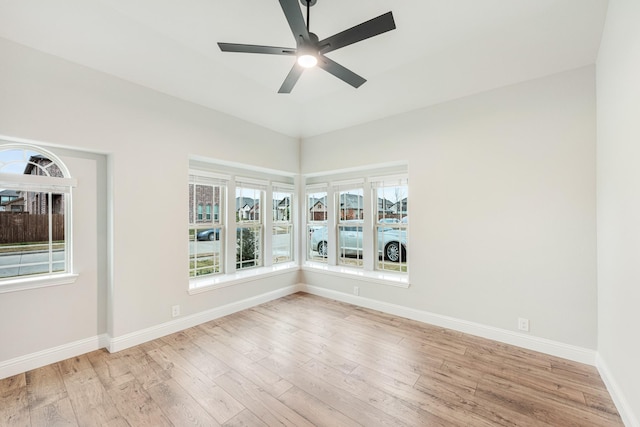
(523, 324)
(356, 290)
(175, 311)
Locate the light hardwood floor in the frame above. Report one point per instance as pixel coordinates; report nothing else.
(305, 360)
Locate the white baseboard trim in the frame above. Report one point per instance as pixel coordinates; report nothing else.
(154, 332)
(622, 404)
(566, 351)
(38, 359)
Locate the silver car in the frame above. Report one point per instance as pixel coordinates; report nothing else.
(392, 242)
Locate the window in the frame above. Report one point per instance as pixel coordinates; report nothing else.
(249, 225)
(247, 228)
(35, 228)
(205, 233)
(391, 223)
(317, 235)
(350, 225)
(282, 234)
(360, 221)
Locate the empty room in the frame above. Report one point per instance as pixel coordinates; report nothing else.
(310, 212)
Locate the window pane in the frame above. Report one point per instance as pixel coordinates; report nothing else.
(248, 204)
(350, 246)
(32, 238)
(203, 196)
(248, 247)
(281, 207)
(351, 205)
(392, 204)
(317, 206)
(205, 251)
(282, 243)
(392, 247)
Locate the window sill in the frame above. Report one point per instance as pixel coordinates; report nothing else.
(35, 282)
(383, 278)
(209, 283)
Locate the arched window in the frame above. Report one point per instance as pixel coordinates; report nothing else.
(208, 211)
(35, 226)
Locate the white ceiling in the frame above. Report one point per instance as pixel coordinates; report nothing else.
(441, 50)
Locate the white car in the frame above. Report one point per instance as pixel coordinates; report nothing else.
(392, 242)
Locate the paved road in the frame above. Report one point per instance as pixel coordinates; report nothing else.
(26, 263)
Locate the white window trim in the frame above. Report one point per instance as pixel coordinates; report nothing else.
(40, 281)
(398, 280)
(213, 282)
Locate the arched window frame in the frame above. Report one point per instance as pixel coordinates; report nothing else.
(41, 183)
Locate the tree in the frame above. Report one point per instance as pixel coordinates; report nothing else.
(247, 247)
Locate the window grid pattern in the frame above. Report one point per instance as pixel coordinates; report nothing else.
(317, 236)
(391, 224)
(282, 228)
(350, 226)
(249, 226)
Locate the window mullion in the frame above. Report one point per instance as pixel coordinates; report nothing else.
(332, 221)
(369, 251)
(232, 228)
(267, 227)
(50, 221)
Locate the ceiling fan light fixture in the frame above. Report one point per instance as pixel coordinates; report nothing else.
(307, 60)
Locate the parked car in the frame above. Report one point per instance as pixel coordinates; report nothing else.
(209, 234)
(392, 242)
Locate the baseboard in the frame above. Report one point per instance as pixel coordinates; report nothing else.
(622, 404)
(38, 359)
(177, 325)
(542, 345)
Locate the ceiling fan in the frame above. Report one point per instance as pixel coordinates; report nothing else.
(310, 51)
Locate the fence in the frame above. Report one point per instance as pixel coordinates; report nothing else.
(22, 227)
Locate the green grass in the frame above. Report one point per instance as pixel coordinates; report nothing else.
(29, 246)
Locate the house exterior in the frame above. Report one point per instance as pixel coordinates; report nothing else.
(9, 199)
(318, 210)
(38, 203)
(204, 203)
(351, 206)
(282, 209)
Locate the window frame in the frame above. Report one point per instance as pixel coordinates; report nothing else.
(49, 185)
(316, 226)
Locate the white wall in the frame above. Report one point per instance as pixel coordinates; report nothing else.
(502, 205)
(147, 138)
(38, 319)
(618, 191)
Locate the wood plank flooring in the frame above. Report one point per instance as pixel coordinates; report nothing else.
(304, 360)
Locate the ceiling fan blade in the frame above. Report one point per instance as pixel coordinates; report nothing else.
(340, 72)
(373, 27)
(292, 12)
(291, 79)
(251, 48)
